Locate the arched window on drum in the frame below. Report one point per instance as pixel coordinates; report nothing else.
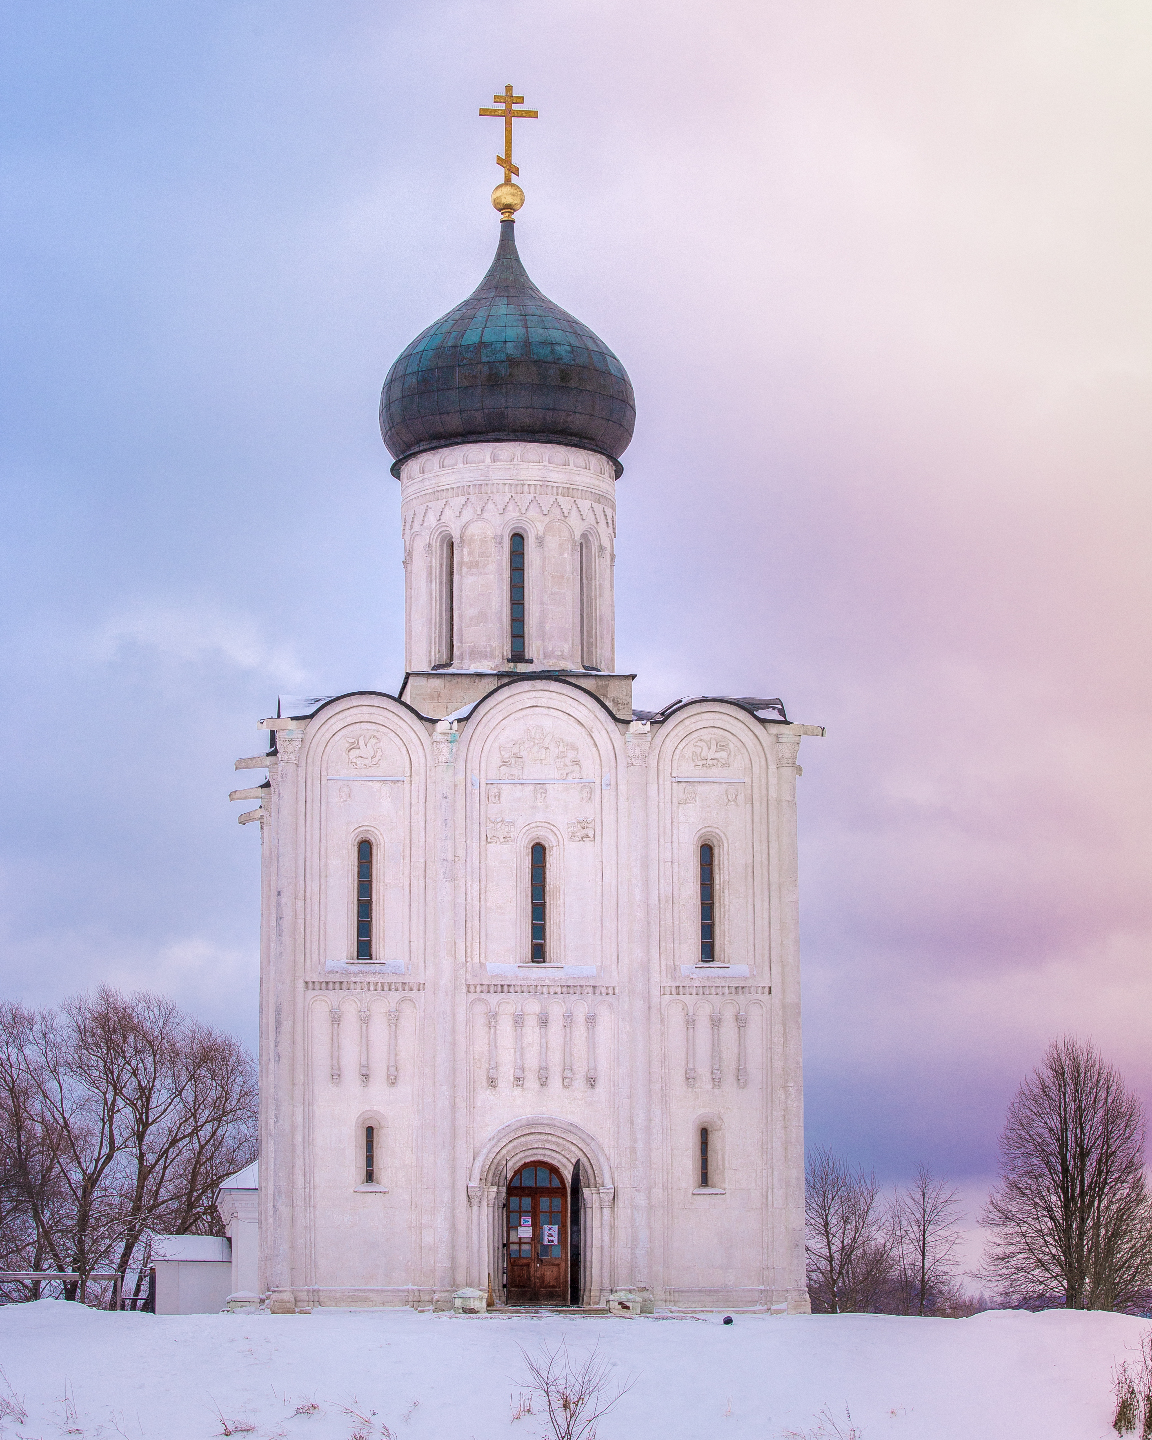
(518, 645)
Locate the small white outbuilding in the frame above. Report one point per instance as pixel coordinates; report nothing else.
(193, 1273)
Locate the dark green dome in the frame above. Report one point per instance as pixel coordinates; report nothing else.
(507, 364)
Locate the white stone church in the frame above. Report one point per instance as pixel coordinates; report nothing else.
(530, 979)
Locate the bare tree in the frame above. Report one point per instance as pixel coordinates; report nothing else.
(576, 1394)
(118, 1115)
(922, 1221)
(848, 1252)
(1071, 1214)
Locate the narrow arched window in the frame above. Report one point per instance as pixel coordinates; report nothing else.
(538, 902)
(445, 601)
(369, 1155)
(707, 904)
(703, 1157)
(587, 604)
(518, 650)
(364, 900)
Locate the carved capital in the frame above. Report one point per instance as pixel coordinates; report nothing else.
(288, 744)
(786, 751)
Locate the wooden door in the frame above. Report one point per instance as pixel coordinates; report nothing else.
(537, 1237)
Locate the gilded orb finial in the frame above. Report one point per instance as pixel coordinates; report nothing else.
(508, 197)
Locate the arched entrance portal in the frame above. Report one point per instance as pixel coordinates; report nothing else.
(538, 1237)
(586, 1193)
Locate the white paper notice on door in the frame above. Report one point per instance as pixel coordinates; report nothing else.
(525, 1231)
(549, 1234)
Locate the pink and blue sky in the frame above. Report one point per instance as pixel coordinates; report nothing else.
(880, 274)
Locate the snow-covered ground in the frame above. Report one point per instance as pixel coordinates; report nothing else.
(334, 1375)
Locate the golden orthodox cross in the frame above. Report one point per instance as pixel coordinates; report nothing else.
(507, 102)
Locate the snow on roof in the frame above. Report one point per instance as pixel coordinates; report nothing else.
(246, 1179)
(190, 1247)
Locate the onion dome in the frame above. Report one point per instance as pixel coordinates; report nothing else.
(507, 364)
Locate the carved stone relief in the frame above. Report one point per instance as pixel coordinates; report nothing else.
(711, 752)
(364, 751)
(582, 830)
(497, 831)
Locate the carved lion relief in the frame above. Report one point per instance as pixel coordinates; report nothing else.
(364, 751)
(711, 752)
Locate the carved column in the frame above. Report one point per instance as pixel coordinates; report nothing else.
(590, 1021)
(690, 1040)
(393, 1016)
(605, 1194)
(364, 1014)
(518, 1062)
(542, 1021)
(715, 1049)
(742, 1048)
(334, 1050)
(493, 1077)
(567, 1076)
(476, 1213)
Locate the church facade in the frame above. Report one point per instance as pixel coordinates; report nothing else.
(530, 989)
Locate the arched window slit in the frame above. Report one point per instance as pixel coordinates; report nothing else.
(369, 1154)
(364, 900)
(707, 905)
(518, 649)
(538, 901)
(704, 1157)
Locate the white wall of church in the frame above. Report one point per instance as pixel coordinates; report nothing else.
(476, 496)
(467, 1059)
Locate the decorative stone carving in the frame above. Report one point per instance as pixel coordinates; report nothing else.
(343, 794)
(364, 1016)
(540, 795)
(590, 1022)
(686, 794)
(742, 1051)
(393, 1071)
(732, 794)
(539, 747)
(711, 752)
(566, 1079)
(512, 761)
(542, 1022)
(690, 1047)
(567, 761)
(365, 751)
(716, 1077)
(288, 744)
(498, 832)
(493, 793)
(582, 830)
(493, 1078)
(518, 1061)
(334, 1043)
(786, 751)
(441, 751)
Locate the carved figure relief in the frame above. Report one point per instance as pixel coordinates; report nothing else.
(493, 794)
(364, 751)
(586, 794)
(498, 832)
(343, 794)
(711, 752)
(539, 794)
(582, 830)
(686, 795)
(540, 748)
(732, 794)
